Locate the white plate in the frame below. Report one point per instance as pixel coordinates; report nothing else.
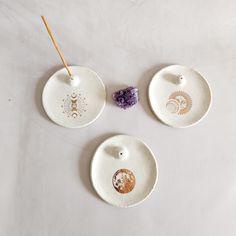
(123, 171)
(74, 107)
(179, 96)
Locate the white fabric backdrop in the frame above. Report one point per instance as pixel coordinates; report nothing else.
(44, 169)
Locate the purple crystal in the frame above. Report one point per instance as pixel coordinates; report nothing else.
(126, 98)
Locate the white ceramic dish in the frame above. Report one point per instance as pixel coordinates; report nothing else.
(179, 96)
(74, 106)
(123, 171)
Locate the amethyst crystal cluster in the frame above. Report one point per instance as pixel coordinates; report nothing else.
(126, 98)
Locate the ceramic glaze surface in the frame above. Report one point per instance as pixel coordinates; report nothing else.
(176, 103)
(128, 182)
(74, 106)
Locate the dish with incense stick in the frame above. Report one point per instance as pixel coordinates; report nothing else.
(74, 96)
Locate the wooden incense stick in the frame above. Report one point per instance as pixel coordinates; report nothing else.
(56, 45)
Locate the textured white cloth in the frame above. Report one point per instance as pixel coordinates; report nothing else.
(44, 169)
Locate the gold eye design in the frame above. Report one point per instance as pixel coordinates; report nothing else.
(179, 103)
(123, 181)
(74, 105)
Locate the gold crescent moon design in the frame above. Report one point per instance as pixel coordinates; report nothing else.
(182, 101)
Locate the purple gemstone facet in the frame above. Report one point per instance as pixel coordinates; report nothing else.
(126, 98)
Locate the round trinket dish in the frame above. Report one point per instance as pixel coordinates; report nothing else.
(179, 96)
(123, 171)
(74, 102)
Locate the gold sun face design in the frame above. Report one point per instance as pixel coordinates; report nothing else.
(74, 105)
(123, 181)
(179, 103)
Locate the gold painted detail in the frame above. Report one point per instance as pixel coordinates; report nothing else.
(123, 181)
(179, 103)
(74, 105)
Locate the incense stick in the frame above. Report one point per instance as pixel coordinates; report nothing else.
(56, 45)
